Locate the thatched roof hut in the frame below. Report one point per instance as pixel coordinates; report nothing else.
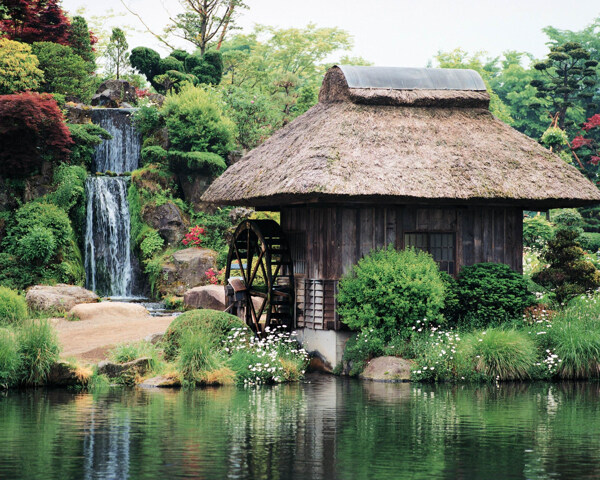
(401, 136)
(389, 156)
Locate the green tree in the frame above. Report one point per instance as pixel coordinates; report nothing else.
(18, 67)
(206, 22)
(569, 72)
(116, 53)
(64, 72)
(196, 122)
(486, 67)
(80, 41)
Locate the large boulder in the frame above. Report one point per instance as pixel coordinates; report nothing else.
(168, 220)
(58, 298)
(78, 113)
(113, 93)
(186, 269)
(211, 297)
(193, 187)
(63, 374)
(108, 311)
(387, 369)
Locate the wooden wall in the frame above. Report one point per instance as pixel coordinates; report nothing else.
(333, 239)
(337, 237)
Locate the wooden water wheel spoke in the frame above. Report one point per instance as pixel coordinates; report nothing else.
(265, 249)
(258, 262)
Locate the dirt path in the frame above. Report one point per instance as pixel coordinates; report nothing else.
(90, 340)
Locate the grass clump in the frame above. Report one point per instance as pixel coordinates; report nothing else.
(498, 354)
(13, 307)
(200, 363)
(10, 360)
(38, 349)
(210, 323)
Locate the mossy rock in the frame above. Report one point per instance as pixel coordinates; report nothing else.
(213, 323)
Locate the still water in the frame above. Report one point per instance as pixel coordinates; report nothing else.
(326, 428)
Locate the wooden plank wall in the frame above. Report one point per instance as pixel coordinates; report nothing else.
(337, 237)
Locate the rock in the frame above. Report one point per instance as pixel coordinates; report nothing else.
(154, 338)
(387, 369)
(63, 374)
(37, 186)
(113, 93)
(157, 98)
(162, 381)
(126, 105)
(108, 310)
(211, 297)
(192, 264)
(193, 187)
(78, 113)
(136, 367)
(60, 298)
(168, 220)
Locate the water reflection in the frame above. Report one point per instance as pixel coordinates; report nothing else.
(326, 429)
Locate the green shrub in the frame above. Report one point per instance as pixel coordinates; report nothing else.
(359, 349)
(211, 323)
(217, 227)
(536, 232)
(489, 294)
(498, 354)
(37, 246)
(9, 358)
(13, 307)
(568, 273)
(154, 154)
(590, 241)
(434, 351)
(147, 119)
(389, 290)
(38, 349)
(194, 162)
(151, 244)
(568, 218)
(196, 122)
(86, 137)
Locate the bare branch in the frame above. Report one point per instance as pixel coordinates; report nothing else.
(158, 37)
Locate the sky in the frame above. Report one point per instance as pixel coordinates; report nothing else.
(404, 33)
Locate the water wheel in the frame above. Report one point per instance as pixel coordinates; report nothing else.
(260, 276)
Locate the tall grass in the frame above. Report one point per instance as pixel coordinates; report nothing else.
(10, 359)
(38, 348)
(13, 307)
(574, 335)
(498, 354)
(199, 362)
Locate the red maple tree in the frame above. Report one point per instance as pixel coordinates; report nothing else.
(35, 21)
(32, 130)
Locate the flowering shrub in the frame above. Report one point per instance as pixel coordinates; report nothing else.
(275, 359)
(436, 360)
(194, 237)
(215, 277)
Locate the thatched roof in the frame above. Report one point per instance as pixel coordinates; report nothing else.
(385, 143)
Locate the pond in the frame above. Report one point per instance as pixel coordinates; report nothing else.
(325, 428)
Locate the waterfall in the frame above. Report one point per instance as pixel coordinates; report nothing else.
(109, 264)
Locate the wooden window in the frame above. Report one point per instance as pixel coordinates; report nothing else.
(297, 242)
(441, 246)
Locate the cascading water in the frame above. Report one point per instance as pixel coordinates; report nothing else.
(109, 265)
